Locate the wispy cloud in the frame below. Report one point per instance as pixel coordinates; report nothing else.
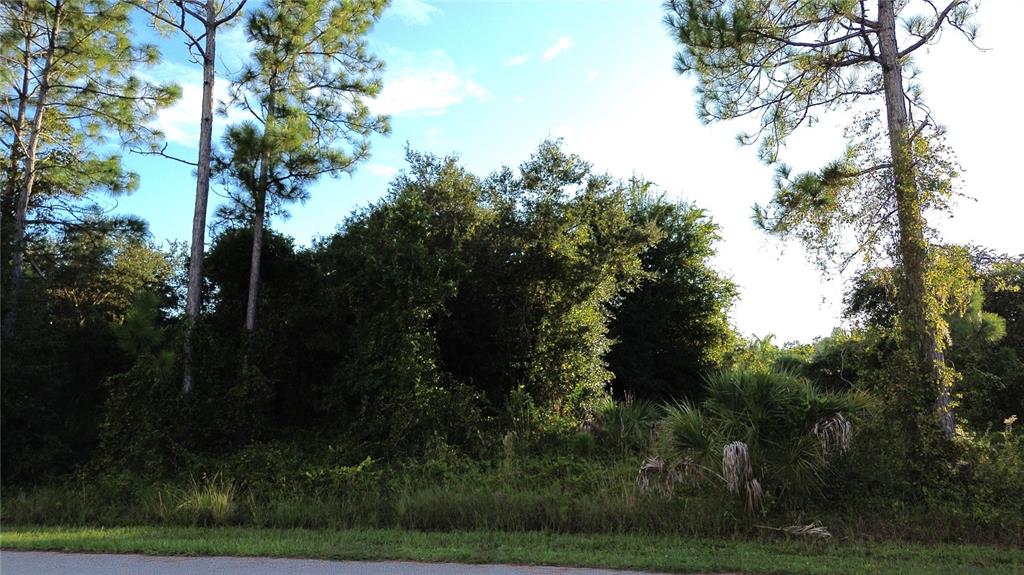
(560, 45)
(592, 75)
(381, 170)
(515, 61)
(425, 85)
(180, 122)
(413, 12)
(564, 132)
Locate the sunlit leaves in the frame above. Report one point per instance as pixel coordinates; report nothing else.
(73, 62)
(845, 212)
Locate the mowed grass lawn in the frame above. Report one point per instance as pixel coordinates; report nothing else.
(653, 553)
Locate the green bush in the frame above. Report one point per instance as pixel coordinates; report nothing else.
(760, 433)
(626, 427)
(991, 470)
(144, 417)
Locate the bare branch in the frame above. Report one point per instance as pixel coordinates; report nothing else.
(162, 152)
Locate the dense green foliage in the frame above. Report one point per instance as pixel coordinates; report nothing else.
(447, 360)
(984, 334)
(540, 348)
(429, 310)
(672, 328)
(70, 340)
(452, 312)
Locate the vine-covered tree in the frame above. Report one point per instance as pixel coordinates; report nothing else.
(984, 326)
(786, 63)
(70, 84)
(304, 92)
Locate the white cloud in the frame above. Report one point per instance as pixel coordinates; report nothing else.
(180, 122)
(514, 61)
(233, 48)
(560, 45)
(415, 84)
(425, 85)
(413, 12)
(592, 75)
(381, 170)
(565, 132)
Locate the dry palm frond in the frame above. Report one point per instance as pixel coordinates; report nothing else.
(658, 474)
(755, 495)
(736, 466)
(651, 466)
(689, 470)
(812, 530)
(833, 433)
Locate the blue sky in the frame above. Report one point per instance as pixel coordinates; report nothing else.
(490, 80)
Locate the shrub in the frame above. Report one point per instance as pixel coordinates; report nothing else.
(761, 433)
(142, 419)
(626, 427)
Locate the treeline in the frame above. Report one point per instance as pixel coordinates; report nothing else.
(545, 312)
(443, 314)
(418, 321)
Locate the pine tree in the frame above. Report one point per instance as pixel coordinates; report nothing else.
(787, 62)
(304, 91)
(70, 86)
(198, 21)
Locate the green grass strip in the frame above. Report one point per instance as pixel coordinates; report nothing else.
(654, 553)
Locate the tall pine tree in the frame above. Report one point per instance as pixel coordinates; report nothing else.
(304, 92)
(787, 62)
(198, 22)
(69, 69)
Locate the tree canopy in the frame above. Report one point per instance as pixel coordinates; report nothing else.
(785, 63)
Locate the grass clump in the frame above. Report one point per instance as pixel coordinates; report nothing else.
(207, 501)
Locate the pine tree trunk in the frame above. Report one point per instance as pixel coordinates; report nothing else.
(913, 248)
(17, 146)
(193, 297)
(25, 193)
(257, 249)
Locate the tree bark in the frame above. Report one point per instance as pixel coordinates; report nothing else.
(17, 146)
(193, 296)
(257, 247)
(913, 248)
(25, 193)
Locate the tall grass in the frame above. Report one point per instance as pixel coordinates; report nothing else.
(207, 501)
(556, 495)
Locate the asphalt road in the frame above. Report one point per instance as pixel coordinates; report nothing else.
(50, 563)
